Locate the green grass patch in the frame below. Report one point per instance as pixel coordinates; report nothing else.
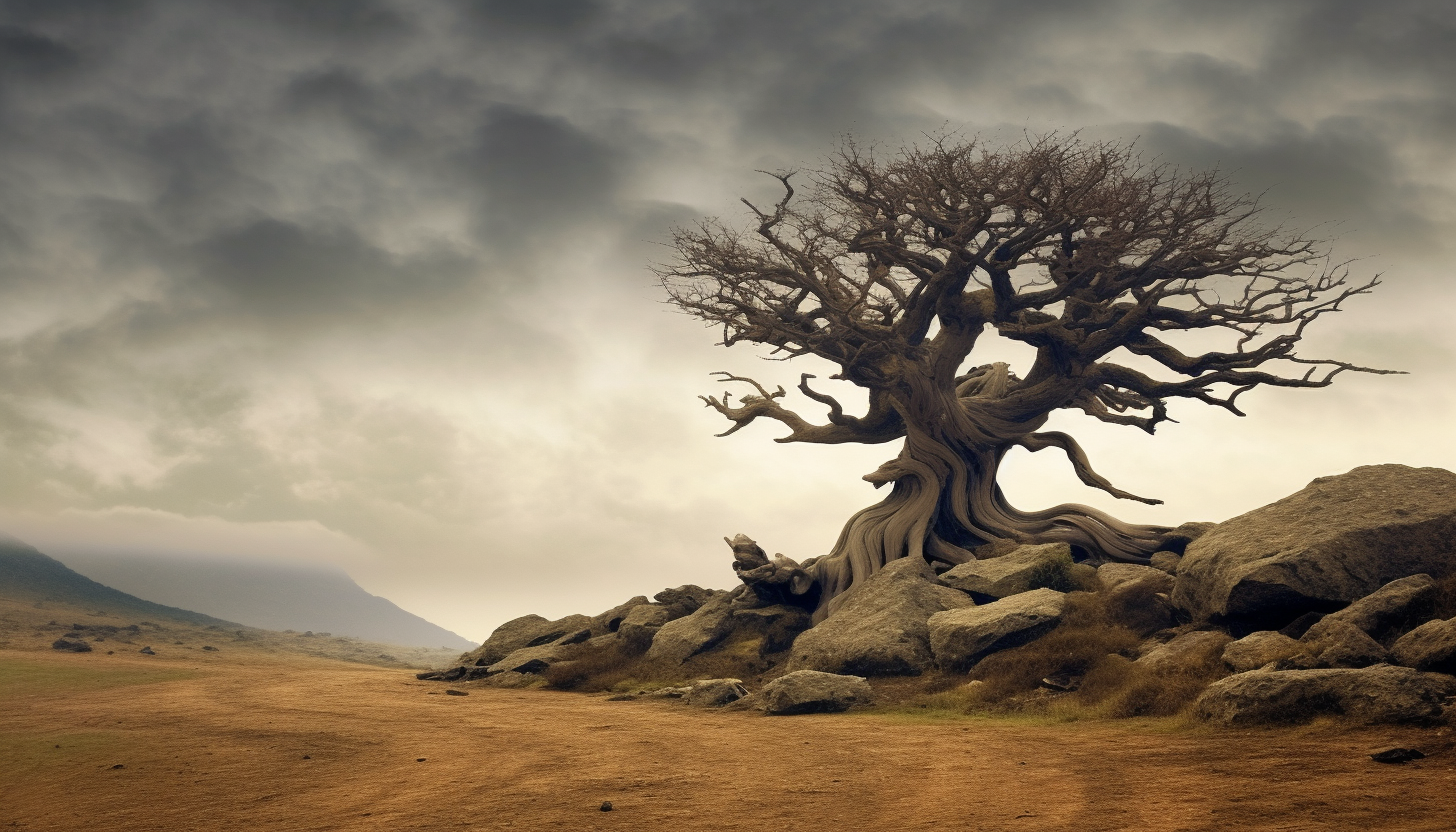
(21, 677)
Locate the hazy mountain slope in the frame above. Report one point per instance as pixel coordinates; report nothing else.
(273, 596)
(27, 574)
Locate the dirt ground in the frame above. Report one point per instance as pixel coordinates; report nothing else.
(256, 742)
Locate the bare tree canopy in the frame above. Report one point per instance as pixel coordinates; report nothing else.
(893, 268)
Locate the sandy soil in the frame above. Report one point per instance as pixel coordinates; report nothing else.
(257, 742)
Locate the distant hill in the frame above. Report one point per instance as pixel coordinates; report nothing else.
(272, 596)
(28, 575)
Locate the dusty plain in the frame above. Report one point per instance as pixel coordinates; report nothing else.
(247, 738)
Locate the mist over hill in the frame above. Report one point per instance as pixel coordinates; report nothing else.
(271, 595)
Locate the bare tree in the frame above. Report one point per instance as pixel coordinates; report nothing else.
(893, 268)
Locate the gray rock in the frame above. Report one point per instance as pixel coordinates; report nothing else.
(715, 693)
(1379, 694)
(608, 622)
(681, 639)
(1165, 562)
(1392, 610)
(640, 626)
(518, 633)
(1114, 575)
(959, 638)
(1335, 642)
(1256, 650)
(811, 691)
(71, 645)
(1429, 647)
(1183, 650)
(685, 600)
(880, 627)
(537, 658)
(1020, 570)
(777, 625)
(1338, 540)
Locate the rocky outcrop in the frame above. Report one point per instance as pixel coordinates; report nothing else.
(71, 645)
(681, 639)
(1022, 569)
(639, 627)
(812, 691)
(518, 633)
(1338, 540)
(1429, 647)
(1378, 694)
(960, 638)
(880, 627)
(1259, 649)
(608, 622)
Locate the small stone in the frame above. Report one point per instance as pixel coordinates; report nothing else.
(119, 765)
(606, 806)
(147, 651)
(456, 693)
(421, 759)
(1396, 754)
(307, 757)
(210, 647)
(622, 697)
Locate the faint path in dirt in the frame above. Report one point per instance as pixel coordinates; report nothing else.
(259, 743)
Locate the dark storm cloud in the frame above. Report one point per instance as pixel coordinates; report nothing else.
(281, 271)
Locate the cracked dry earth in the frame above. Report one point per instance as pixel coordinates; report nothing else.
(259, 742)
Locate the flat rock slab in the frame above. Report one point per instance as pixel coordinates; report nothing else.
(1380, 694)
(1336, 541)
(960, 638)
(881, 627)
(1022, 569)
(812, 691)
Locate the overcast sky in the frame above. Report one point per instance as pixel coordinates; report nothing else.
(365, 281)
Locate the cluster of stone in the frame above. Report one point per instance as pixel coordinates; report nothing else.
(1322, 603)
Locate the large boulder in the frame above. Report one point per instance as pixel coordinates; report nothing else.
(1379, 694)
(812, 691)
(1390, 611)
(640, 625)
(1022, 569)
(609, 621)
(1337, 541)
(1429, 647)
(1258, 649)
(961, 637)
(880, 627)
(526, 631)
(679, 640)
(1335, 642)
